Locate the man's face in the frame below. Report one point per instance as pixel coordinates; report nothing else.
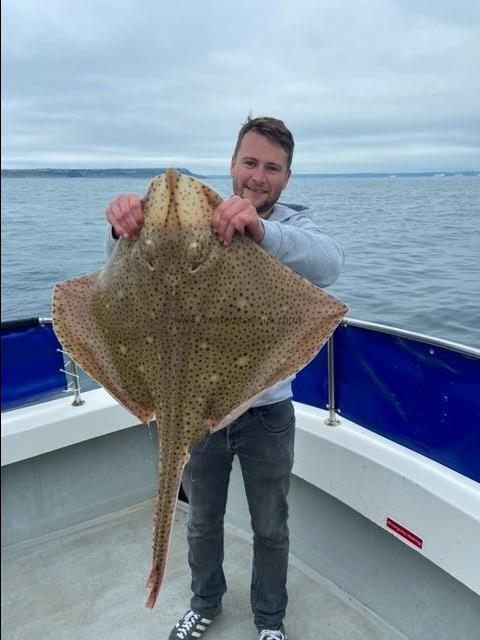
(259, 171)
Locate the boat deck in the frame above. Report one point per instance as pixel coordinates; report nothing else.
(89, 582)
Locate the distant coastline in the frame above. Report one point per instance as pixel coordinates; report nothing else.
(92, 173)
(151, 172)
(400, 174)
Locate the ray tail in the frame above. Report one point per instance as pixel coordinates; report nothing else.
(171, 463)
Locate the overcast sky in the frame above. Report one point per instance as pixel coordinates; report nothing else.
(364, 85)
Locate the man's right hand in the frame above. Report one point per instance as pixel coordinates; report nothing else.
(125, 214)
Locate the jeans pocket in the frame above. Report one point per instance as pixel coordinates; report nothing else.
(278, 418)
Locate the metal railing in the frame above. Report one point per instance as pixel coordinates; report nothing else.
(332, 420)
(73, 379)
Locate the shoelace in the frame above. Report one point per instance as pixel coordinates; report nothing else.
(271, 635)
(188, 622)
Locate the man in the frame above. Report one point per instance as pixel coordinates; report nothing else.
(263, 437)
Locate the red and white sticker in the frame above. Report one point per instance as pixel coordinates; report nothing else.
(403, 532)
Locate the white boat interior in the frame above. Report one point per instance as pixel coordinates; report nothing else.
(108, 556)
(384, 540)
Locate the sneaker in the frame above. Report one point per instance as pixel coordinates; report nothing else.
(192, 625)
(278, 634)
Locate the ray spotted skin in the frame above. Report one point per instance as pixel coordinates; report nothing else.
(179, 328)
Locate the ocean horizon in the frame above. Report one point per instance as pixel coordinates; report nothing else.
(109, 172)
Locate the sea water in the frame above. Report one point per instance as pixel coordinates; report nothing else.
(412, 245)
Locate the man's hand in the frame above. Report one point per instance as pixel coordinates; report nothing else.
(125, 214)
(237, 215)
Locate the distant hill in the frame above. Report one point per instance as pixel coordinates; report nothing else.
(92, 173)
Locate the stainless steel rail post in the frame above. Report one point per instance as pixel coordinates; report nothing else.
(77, 400)
(332, 420)
(73, 379)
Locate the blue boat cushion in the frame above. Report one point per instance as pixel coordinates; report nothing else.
(422, 396)
(31, 365)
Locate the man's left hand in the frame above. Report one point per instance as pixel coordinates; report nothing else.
(237, 215)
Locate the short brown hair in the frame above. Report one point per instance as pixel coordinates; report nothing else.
(271, 128)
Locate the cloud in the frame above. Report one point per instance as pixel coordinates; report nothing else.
(366, 85)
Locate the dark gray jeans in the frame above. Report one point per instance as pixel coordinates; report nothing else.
(263, 440)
